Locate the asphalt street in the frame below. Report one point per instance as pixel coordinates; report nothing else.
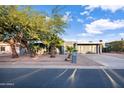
(61, 78)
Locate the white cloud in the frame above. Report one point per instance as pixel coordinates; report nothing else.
(85, 34)
(80, 20)
(121, 34)
(67, 16)
(112, 8)
(69, 39)
(101, 25)
(90, 8)
(85, 13)
(90, 17)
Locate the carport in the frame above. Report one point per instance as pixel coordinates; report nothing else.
(86, 48)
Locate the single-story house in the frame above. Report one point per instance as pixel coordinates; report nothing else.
(86, 48)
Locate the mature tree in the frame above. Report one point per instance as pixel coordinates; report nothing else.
(21, 25)
(38, 30)
(56, 27)
(9, 26)
(55, 42)
(16, 26)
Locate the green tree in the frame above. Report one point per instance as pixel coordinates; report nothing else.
(56, 27)
(22, 25)
(117, 46)
(9, 26)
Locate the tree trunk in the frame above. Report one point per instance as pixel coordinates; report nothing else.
(13, 49)
(69, 56)
(25, 43)
(53, 51)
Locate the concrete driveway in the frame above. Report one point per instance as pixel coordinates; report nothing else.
(109, 61)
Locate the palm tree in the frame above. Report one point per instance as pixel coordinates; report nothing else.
(56, 27)
(69, 49)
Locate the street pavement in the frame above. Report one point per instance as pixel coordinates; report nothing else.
(61, 78)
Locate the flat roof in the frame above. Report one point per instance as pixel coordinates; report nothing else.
(88, 43)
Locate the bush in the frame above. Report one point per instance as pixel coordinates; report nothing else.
(116, 46)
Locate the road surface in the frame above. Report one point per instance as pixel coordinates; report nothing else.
(61, 78)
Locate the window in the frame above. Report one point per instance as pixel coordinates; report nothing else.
(2, 48)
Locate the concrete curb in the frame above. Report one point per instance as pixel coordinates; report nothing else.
(59, 67)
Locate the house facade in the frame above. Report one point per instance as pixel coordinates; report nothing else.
(5, 48)
(89, 48)
(86, 48)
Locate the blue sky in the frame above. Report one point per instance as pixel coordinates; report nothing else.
(91, 22)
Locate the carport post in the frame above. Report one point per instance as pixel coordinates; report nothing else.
(97, 48)
(100, 47)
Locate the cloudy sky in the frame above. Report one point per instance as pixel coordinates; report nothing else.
(91, 22)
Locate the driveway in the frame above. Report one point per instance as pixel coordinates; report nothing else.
(108, 61)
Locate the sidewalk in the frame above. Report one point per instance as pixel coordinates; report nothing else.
(115, 55)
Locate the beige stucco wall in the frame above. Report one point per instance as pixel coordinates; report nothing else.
(86, 48)
(7, 48)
